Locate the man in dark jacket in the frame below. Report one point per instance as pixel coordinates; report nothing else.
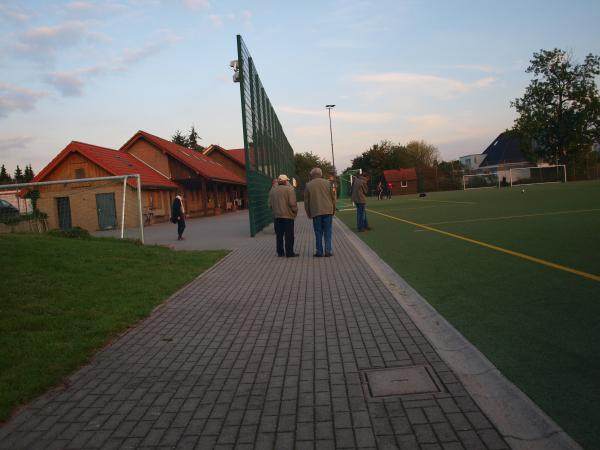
(282, 201)
(178, 215)
(360, 188)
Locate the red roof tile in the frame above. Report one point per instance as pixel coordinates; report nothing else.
(114, 162)
(236, 155)
(239, 154)
(196, 161)
(395, 175)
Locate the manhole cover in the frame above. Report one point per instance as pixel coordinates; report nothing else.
(401, 381)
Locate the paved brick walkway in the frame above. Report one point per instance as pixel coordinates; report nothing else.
(261, 352)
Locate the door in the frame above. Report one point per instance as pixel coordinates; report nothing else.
(64, 212)
(107, 213)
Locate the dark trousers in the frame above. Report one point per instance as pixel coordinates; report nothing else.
(284, 229)
(322, 226)
(180, 226)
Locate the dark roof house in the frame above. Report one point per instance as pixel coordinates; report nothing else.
(505, 149)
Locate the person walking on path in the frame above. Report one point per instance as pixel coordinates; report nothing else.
(178, 215)
(282, 201)
(319, 203)
(359, 197)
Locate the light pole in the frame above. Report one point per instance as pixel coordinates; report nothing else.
(329, 107)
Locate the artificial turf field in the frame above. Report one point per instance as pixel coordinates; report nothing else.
(535, 311)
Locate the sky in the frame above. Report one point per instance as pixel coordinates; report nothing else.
(442, 71)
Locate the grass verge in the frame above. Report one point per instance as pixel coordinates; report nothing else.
(63, 299)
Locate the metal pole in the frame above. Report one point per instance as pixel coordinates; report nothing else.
(139, 196)
(331, 138)
(123, 208)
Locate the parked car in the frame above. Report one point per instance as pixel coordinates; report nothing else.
(7, 210)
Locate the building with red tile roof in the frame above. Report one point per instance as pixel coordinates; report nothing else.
(403, 181)
(229, 159)
(208, 185)
(93, 205)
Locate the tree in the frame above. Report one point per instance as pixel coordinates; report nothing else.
(28, 174)
(189, 141)
(305, 162)
(179, 139)
(560, 110)
(422, 154)
(18, 175)
(380, 157)
(4, 176)
(192, 140)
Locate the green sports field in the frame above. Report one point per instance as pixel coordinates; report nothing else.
(518, 273)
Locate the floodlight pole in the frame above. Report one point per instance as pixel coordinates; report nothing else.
(329, 107)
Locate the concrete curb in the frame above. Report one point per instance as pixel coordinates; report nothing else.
(521, 422)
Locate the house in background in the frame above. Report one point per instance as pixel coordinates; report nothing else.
(404, 181)
(209, 187)
(93, 206)
(505, 150)
(472, 162)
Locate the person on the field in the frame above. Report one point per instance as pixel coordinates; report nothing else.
(360, 188)
(178, 215)
(319, 203)
(282, 201)
(379, 190)
(389, 190)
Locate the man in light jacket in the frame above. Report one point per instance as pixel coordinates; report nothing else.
(319, 203)
(360, 188)
(282, 201)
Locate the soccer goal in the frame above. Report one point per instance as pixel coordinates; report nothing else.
(480, 181)
(538, 175)
(104, 206)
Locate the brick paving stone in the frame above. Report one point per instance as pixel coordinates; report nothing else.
(273, 360)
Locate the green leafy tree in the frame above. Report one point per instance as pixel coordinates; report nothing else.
(560, 110)
(304, 163)
(422, 154)
(4, 176)
(18, 175)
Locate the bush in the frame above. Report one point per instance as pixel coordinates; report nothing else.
(73, 233)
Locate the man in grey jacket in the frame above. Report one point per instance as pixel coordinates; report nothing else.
(360, 188)
(282, 200)
(319, 203)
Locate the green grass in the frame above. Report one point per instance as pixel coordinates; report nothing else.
(540, 326)
(63, 299)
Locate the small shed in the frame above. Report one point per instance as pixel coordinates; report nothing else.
(404, 181)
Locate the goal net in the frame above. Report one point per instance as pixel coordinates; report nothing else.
(538, 175)
(104, 206)
(481, 180)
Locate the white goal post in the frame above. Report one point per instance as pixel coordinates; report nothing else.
(538, 175)
(131, 214)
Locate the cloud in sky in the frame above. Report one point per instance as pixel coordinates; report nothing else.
(218, 20)
(44, 42)
(435, 86)
(343, 116)
(72, 83)
(15, 14)
(14, 143)
(95, 9)
(196, 4)
(15, 98)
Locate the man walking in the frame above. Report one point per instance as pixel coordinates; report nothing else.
(282, 201)
(319, 203)
(359, 197)
(178, 215)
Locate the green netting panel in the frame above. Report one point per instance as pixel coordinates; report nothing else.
(268, 152)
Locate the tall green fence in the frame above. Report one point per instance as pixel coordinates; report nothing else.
(268, 152)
